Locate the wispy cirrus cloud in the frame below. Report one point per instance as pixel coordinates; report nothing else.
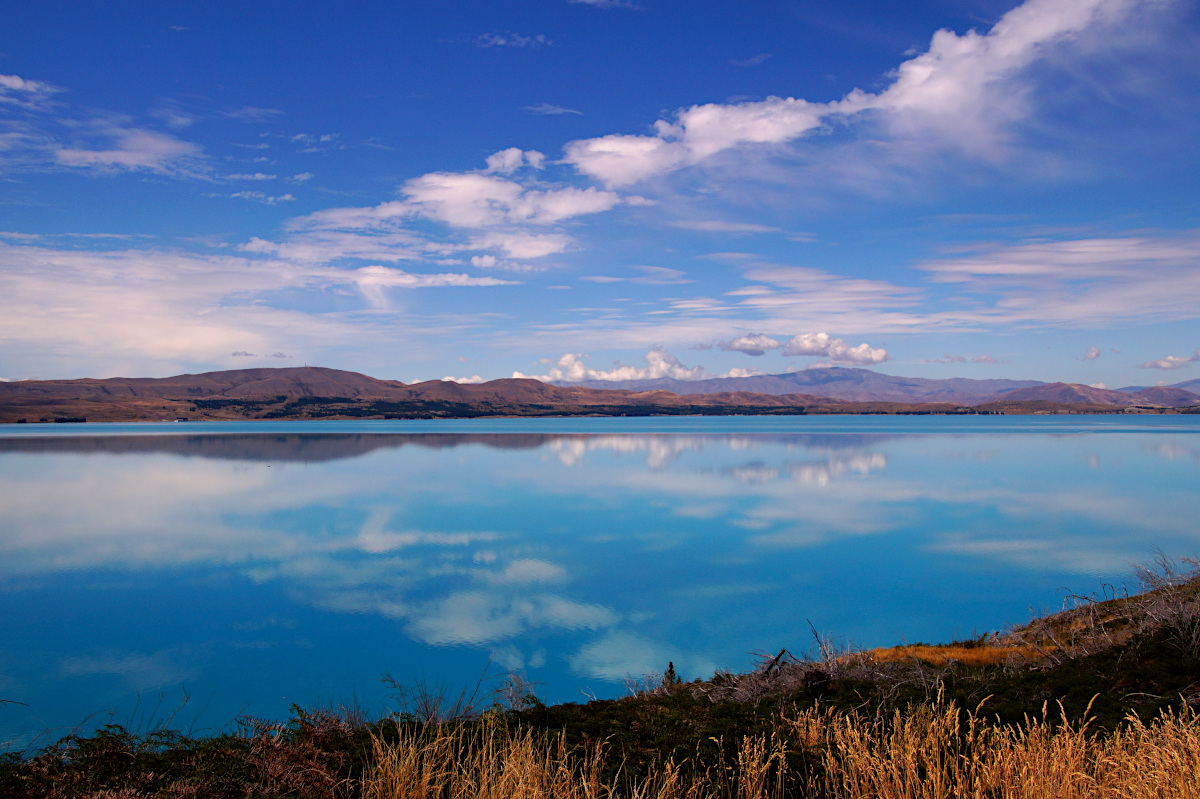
(489, 40)
(549, 109)
(107, 306)
(1077, 282)
(132, 149)
(752, 61)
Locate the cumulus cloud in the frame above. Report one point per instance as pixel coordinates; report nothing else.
(463, 380)
(752, 344)
(836, 350)
(963, 91)
(1092, 354)
(510, 160)
(473, 200)
(1171, 362)
(659, 363)
(485, 210)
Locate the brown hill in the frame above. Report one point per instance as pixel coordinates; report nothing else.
(318, 393)
(300, 381)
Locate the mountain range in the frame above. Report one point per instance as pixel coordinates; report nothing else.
(864, 385)
(315, 392)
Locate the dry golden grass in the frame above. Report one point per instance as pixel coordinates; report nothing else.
(929, 752)
(941, 655)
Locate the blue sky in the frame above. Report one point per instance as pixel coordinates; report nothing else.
(600, 189)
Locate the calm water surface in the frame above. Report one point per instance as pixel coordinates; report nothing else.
(251, 566)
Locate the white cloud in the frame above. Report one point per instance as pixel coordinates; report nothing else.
(964, 92)
(1080, 281)
(836, 350)
(510, 160)
(152, 305)
(503, 214)
(523, 245)
(549, 109)
(252, 113)
(489, 40)
(1092, 354)
(323, 246)
(659, 363)
(371, 280)
(1171, 362)
(752, 61)
(740, 372)
(651, 276)
(752, 344)
(134, 149)
(463, 380)
(251, 176)
(264, 198)
(717, 226)
(472, 200)
(16, 83)
(30, 95)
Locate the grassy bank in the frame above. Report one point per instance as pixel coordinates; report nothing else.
(1098, 700)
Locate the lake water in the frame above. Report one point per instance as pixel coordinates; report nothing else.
(251, 566)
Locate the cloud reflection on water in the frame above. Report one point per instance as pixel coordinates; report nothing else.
(608, 553)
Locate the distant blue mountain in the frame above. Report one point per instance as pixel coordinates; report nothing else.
(1186, 385)
(836, 382)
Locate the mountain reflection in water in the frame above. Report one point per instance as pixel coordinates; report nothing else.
(316, 447)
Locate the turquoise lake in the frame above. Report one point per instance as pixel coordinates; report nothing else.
(250, 566)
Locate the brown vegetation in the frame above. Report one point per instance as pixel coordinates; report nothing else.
(933, 751)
